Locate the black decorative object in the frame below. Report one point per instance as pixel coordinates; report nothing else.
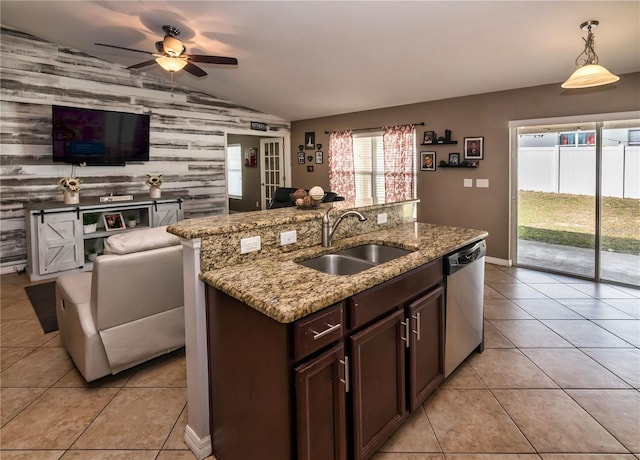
(301, 147)
(310, 168)
(310, 158)
(319, 146)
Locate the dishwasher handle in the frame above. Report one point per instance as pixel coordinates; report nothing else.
(465, 256)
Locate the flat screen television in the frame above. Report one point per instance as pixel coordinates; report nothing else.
(99, 137)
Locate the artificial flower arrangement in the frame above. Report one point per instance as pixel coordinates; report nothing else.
(154, 181)
(70, 184)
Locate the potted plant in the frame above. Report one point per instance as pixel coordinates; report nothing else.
(92, 254)
(131, 221)
(90, 221)
(71, 186)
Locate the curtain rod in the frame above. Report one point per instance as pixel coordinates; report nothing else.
(375, 127)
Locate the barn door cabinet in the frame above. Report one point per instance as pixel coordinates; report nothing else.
(57, 242)
(333, 385)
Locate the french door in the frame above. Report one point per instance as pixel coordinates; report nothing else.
(577, 199)
(273, 168)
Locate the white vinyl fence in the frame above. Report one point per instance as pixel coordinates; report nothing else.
(572, 170)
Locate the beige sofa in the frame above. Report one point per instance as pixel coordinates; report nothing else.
(129, 308)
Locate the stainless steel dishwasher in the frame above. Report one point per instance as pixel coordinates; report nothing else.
(464, 304)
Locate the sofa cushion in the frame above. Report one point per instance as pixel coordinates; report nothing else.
(140, 240)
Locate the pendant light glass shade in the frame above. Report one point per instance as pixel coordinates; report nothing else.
(589, 73)
(588, 76)
(172, 64)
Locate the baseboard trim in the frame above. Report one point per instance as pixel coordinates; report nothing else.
(13, 267)
(496, 261)
(201, 448)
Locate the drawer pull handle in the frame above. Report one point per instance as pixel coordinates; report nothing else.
(406, 325)
(417, 331)
(329, 330)
(346, 374)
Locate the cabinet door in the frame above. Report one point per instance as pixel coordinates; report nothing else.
(426, 350)
(60, 244)
(321, 410)
(166, 213)
(378, 376)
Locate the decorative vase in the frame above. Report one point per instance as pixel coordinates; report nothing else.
(131, 223)
(92, 257)
(71, 197)
(154, 192)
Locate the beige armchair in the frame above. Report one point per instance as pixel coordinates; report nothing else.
(128, 309)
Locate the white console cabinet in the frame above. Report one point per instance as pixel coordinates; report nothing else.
(56, 237)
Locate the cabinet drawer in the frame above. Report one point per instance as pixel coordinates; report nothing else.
(318, 330)
(379, 300)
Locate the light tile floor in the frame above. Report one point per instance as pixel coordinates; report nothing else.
(559, 379)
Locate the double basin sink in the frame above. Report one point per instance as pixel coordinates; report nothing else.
(354, 260)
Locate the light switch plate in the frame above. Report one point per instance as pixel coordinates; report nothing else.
(382, 218)
(250, 244)
(468, 182)
(482, 183)
(289, 237)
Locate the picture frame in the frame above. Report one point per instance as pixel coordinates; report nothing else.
(113, 221)
(429, 137)
(310, 141)
(319, 157)
(427, 161)
(301, 158)
(454, 159)
(474, 148)
(309, 168)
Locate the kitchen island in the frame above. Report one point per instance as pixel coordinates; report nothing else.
(271, 284)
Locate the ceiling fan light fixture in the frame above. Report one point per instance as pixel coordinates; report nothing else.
(171, 64)
(172, 46)
(589, 73)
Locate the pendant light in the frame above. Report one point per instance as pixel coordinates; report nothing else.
(589, 73)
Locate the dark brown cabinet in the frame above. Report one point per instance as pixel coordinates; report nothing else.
(426, 346)
(378, 369)
(333, 385)
(321, 407)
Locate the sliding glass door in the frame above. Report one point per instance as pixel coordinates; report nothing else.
(577, 199)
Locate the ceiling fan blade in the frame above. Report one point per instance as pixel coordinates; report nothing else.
(194, 70)
(122, 48)
(212, 59)
(142, 64)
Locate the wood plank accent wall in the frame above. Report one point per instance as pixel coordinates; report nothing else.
(187, 132)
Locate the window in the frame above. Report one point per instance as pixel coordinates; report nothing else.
(368, 159)
(234, 171)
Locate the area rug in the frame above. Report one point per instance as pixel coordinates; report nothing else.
(43, 301)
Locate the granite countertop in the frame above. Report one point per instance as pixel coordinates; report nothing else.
(286, 291)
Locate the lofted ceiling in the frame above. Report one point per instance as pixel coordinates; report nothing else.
(307, 59)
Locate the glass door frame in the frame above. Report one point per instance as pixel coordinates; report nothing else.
(599, 120)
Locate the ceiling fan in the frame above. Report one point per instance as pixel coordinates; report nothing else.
(171, 55)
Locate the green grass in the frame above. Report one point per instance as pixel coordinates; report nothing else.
(570, 220)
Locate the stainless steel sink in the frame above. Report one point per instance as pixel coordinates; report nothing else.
(334, 264)
(375, 253)
(354, 260)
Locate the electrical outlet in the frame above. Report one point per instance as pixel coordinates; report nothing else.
(288, 237)
(250, 244)
(382, 218)
(468, 182)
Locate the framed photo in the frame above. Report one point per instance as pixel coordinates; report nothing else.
(454, 159)
(113, 221)
(473, 148)
(300, 158)
(429, 137)
(310, 168)
(428, 161)
(319, 157)
(310, 141)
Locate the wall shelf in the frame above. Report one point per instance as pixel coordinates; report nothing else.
(441, 143)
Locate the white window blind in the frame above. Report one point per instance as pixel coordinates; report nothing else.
(368, 158)
(234, 171)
